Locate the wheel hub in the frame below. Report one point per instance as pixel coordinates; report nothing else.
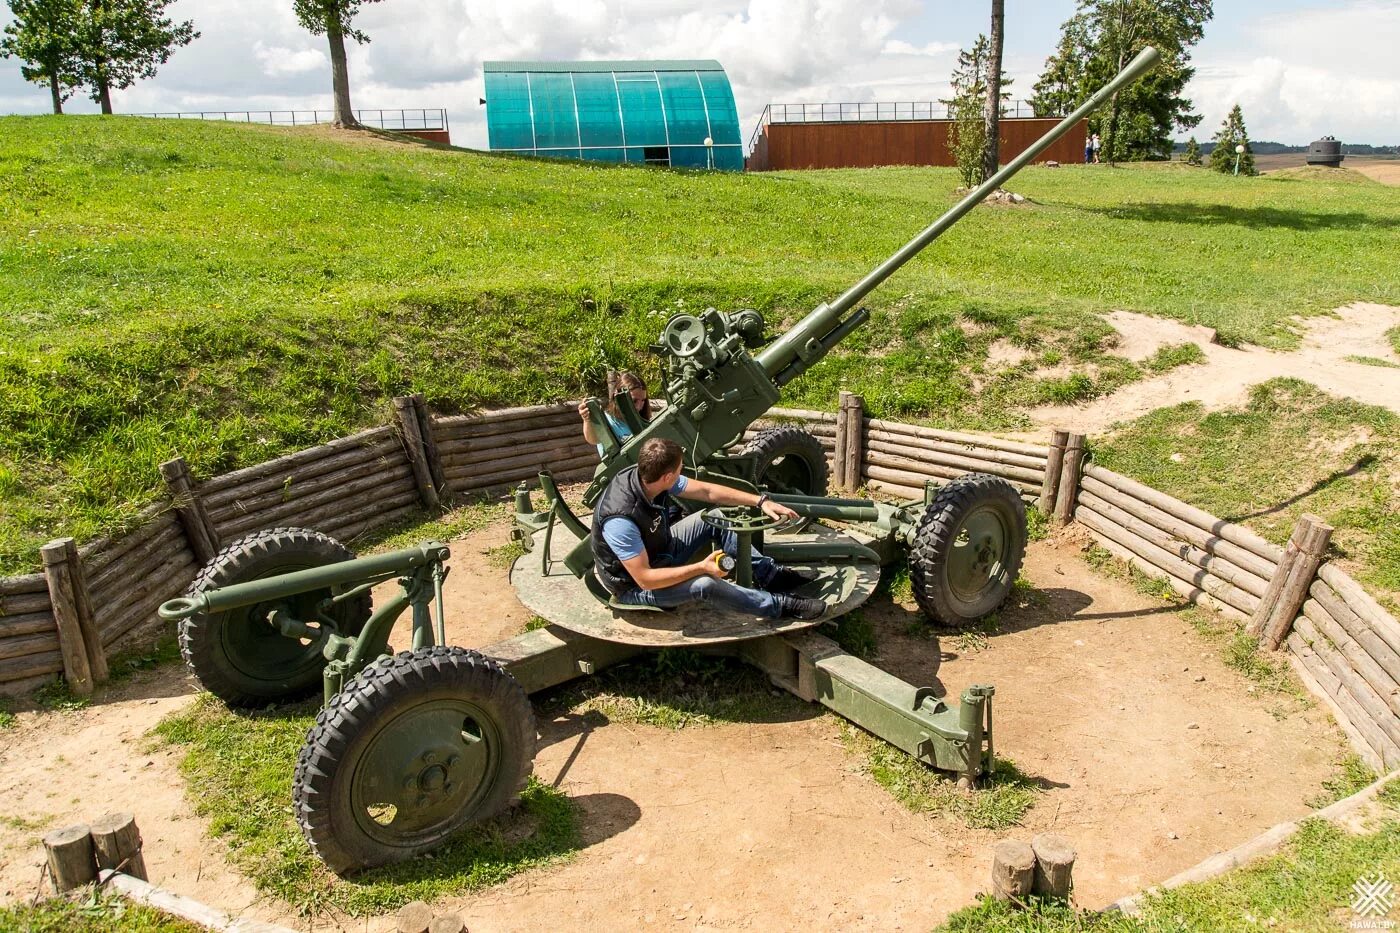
(425, 767)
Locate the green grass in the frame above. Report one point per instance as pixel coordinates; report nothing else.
(229, 292)
(90, 911)
(239, 768)
(1373, 361)
(1307, 886)
(1290, 450)
(1394, 336)
(996, 804)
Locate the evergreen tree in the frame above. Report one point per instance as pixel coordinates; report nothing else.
(122, 41)
(967, 135)
(332, 18)
(1192, 155)
(1231, 134)
(1098, 41)
(43, 36)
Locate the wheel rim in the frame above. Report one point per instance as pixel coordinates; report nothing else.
(424, 771)
(978, 557)
(259, 652)
(789, 473)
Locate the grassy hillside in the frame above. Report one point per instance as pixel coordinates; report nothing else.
(230, 292)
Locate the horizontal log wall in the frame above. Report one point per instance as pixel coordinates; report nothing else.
(1343, 642)
(491, 452)
(29, 649)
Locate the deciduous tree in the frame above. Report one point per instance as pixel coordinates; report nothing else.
(122, 41)
(43, 36)
(1098, 41)
(332, 19)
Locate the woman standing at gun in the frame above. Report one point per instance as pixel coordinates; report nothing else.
(618, 381)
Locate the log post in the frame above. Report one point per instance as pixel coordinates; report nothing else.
(87, 620)
(71, 862)
(1013, 870)
(117, 844)
(853, 407)
(199, 529)
(1067, 491)
(1053, 464)
(1054, 865)
(430, 447)
(410, 429)
(1306, 547)
(77, 671)
(838, 457)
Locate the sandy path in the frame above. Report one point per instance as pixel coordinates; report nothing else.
(767, 825)
(1226, 376)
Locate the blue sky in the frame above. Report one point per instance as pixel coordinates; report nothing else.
(1299, 68)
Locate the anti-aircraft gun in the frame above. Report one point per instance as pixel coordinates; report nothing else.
(411, 747)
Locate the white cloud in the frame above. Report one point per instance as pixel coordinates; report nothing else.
(278, 61)
(1298, 76)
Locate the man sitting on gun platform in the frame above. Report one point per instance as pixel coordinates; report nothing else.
(643, 561)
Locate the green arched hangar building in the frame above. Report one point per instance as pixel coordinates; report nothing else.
(652, 112)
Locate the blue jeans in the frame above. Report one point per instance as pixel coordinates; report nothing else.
(687, 538)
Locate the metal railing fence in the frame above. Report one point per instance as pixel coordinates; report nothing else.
(384, 118)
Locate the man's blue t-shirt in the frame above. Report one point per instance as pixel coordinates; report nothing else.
(623, 535)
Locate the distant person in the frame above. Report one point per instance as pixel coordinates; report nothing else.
(1088, 149)
(1095, 143)
(618, 381)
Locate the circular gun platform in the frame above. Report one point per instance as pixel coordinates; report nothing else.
(565, 600)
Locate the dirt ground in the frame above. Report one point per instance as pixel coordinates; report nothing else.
(1152, 753)
(1224, 379)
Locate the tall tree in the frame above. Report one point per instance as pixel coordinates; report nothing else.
(333, 18)
(991, 106)
(122, 41)
(967, 134)
(1104, 35)
(1061, 86)
(43, 36)
(1231, 134)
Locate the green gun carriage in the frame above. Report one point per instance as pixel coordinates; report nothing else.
(411, 747)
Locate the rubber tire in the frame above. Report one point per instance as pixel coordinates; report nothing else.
(321, 786)
(934, 538)
(252, 557)
(773, 444)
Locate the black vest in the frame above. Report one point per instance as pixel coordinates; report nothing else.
(625, 498)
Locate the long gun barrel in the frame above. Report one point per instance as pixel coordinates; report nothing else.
(815, 335)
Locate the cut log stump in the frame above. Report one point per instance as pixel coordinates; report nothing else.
(414, 917)
(1054, 865)
(1013, 870)
(71, 862)
(117, 844)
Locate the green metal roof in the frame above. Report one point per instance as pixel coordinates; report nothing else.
(584, 67)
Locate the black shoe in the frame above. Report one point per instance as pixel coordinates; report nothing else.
(799, 607)
(787, 579)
